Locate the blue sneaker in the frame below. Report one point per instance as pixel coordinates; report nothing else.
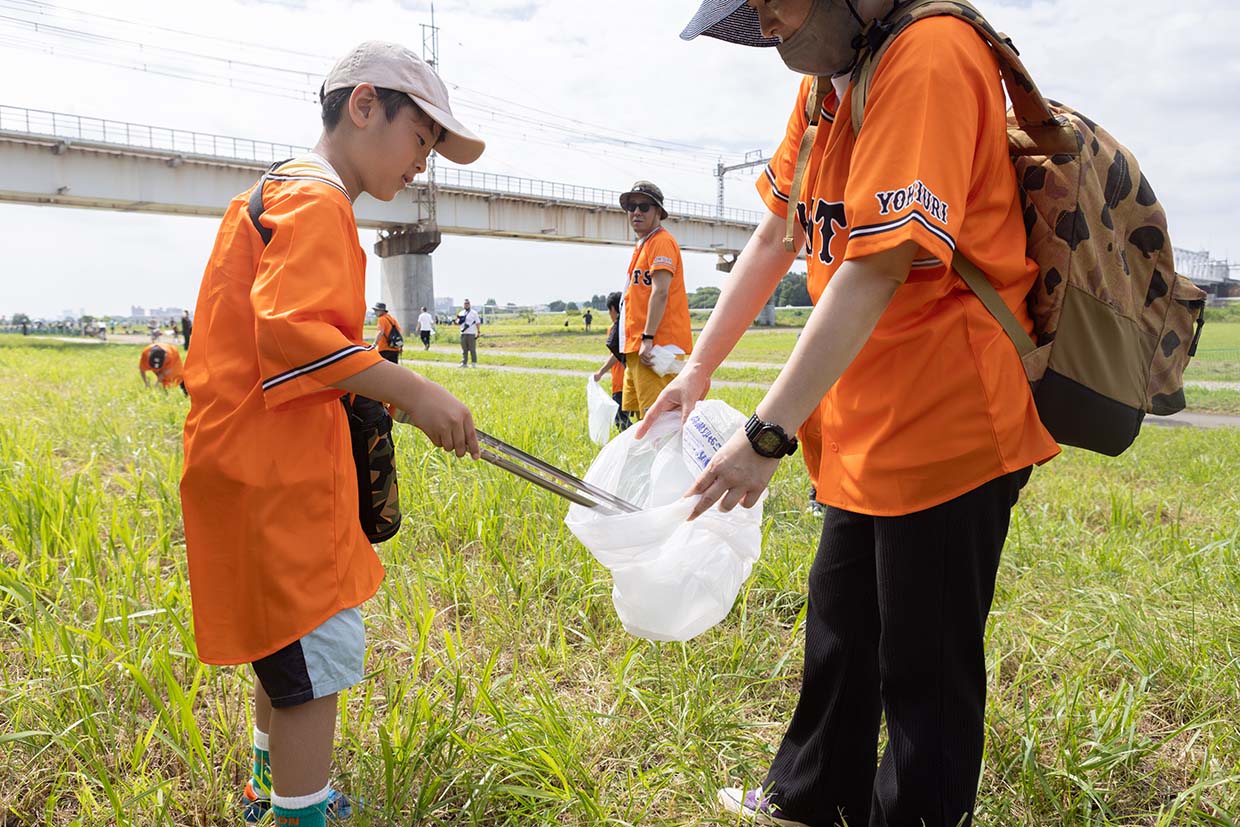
(255, 805)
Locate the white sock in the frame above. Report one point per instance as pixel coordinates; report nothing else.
(299, 802)
(261, 740)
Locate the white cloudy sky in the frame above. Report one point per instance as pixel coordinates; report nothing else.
(1163, 77)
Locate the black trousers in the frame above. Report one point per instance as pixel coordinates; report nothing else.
(895, 624)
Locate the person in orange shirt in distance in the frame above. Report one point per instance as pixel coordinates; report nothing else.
(389, 329)
(165, 362)
(928, 425)
(655, 306)
(278, 561)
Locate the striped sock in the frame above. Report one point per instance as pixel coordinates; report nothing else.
(300, 811)
(260, 772)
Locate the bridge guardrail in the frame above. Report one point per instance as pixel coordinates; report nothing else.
(122, 133)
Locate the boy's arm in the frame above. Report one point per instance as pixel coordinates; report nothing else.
(662, 285)
(611, 360)
(438, 414)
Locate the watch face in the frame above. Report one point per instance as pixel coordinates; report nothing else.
(769, 442)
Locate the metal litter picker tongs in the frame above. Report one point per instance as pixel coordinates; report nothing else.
(527, 467)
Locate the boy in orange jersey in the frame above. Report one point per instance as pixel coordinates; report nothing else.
(655, 306)
(278, 561)
(615, 362)
(928, 426)
(165, 362)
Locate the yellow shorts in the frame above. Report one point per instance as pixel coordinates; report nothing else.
(641, 385)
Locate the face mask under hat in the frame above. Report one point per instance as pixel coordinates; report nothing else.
(826, 42)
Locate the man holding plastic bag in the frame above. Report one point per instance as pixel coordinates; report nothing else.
(655, 308)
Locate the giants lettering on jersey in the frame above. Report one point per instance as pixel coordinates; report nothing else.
(829, 219)
(915, 193)
(641, 276)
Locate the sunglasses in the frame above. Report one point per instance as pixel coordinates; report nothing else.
(645, 207)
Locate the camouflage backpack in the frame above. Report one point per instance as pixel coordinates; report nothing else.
(1115, 325)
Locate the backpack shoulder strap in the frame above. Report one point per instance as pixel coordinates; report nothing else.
(818, 92)
(256, 208)
(992, 301)
(307, 168)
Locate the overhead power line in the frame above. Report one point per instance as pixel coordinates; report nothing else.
(45, 27)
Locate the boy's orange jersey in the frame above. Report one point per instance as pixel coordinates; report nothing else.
(269, 489)
(171, 373)
(936, 403)
(657, 251)
(617, 378)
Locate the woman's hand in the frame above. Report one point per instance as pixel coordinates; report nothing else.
(736, 474)
(686, 390)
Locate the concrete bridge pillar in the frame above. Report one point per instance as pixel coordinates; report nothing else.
(766, 316)
(408, 283)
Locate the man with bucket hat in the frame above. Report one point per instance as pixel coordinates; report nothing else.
(655, 307)
(388, 341)
(278, 559)
(927, 422)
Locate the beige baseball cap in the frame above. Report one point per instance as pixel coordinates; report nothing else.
(392, 66)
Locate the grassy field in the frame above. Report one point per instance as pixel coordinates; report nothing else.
(1218, 354)
(502, 690)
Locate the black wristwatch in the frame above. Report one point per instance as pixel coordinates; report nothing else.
(768, 439)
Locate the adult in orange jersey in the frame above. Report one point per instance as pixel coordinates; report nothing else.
(278, 561)
(388, 341)
(928, 425)
(655, 307)
(165, 362)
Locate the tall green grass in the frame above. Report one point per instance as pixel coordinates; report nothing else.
(502, 690)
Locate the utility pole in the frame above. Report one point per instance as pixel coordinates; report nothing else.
(430, 53)
(753, 158)
(405, 249)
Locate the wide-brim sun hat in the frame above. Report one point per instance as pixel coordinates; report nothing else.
(731, 20)
(647, 189)
(392, 66)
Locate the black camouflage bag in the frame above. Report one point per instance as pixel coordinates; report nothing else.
(374, 455)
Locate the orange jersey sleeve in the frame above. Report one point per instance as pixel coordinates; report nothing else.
(919, 169)
(308, 296)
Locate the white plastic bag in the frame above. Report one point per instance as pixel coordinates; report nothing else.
(601, 410)
(665, 361)
(672, 579)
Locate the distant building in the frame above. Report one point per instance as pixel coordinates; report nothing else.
(444, 304)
